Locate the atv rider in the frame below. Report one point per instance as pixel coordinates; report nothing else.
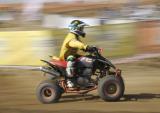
(70, 47)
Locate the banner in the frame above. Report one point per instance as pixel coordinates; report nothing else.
(25, 47)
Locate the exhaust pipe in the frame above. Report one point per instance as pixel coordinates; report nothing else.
(51, 72)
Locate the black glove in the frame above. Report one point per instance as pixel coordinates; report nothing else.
(91, 49)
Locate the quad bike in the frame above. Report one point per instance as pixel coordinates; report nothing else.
(93, 71)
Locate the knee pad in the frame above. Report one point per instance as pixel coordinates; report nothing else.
(70, 58)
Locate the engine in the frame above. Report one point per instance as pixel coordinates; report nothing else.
(84, 71)
(84, 76)
(82, 81)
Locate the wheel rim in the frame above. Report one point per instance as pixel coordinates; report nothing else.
(111, 89)
(48, 93)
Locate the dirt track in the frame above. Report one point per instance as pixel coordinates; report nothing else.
(142, 95)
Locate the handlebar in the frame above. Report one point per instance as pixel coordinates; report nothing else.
(97, 53)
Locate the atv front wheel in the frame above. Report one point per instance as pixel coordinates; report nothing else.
(110, 88)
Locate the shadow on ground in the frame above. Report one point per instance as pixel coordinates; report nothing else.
(127, 97)
(74, 98)
(142, 96)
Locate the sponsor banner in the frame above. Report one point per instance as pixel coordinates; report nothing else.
(25, 47)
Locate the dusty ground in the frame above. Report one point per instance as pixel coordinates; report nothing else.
(142, 95)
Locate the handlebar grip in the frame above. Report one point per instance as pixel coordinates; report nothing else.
(91, 49)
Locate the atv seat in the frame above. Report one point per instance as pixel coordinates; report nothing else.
(56, 61)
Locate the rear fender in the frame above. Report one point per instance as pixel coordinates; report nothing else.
(50, 64)
(59, 69)
(50, 72)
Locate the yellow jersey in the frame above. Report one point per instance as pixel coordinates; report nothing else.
(71, 45)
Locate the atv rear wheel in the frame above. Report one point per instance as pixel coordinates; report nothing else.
(110, 88)
(48, 91)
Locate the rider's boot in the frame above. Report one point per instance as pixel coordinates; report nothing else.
(70, 83)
